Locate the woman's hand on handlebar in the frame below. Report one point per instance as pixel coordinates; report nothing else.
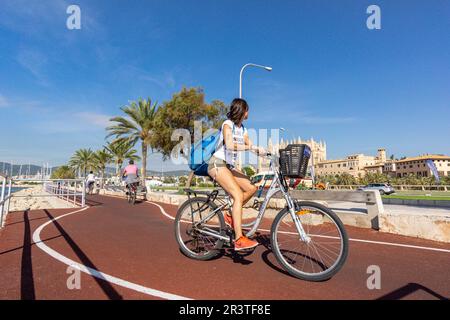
(260, 151)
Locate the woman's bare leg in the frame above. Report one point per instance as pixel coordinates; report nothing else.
(245, 184)
(228, 182)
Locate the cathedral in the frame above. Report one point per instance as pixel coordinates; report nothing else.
(319, 151)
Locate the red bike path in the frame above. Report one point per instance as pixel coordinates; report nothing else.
(130, 252)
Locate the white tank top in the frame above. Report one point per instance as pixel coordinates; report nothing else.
(230, 156)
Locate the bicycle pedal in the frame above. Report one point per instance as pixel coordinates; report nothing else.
(246, 250)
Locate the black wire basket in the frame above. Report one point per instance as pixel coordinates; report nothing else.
(294, 160)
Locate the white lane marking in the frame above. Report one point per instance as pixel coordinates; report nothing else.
(162, 210)
(350, 239)
(95, 273)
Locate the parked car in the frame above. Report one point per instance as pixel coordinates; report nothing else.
(384, 188)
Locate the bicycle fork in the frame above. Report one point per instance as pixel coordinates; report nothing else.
(298, 224)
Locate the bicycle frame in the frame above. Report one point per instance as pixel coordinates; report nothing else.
(278, 185)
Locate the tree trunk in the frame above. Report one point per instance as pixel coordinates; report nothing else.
(119, 168)
(144, 161)
(189, 180)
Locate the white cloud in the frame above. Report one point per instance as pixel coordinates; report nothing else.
(326, 120)
(36, 18)
(75, 122)
(166, 80)
(45, 19)
(3, 101)
(96, 119)
(34, 62)
(23, 104)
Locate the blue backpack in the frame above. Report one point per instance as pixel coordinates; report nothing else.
(201, 152)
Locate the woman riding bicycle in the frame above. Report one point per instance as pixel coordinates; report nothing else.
(130, 173)
(221, 167)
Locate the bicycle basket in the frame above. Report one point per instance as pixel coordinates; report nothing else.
(294, 160)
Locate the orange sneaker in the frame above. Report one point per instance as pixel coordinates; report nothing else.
(228, 220)
(244, 243)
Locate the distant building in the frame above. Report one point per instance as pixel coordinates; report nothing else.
(355, 165)
(377, 168)
(390, 167)
(319, 150)
(418, 166)
(358, 165)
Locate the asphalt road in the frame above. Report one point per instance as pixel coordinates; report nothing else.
(129, 252)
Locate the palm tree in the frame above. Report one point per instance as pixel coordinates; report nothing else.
(83, 159)
(137, 126)
(121, 150)
(63, 172)
(345, 179)
(102, 158)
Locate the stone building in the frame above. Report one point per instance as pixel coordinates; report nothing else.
(419, 167)
(319, 150)
(355, 165)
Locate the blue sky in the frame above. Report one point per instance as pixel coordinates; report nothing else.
(333, 79)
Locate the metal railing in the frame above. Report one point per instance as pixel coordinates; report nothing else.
(401, 187)
(4, 199)
(70, 190)
(67, 189)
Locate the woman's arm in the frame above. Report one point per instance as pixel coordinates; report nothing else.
(228, 137)
(248, 144)
(251, 146)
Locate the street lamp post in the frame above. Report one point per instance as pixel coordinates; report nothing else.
(242, 71)
(240, 87)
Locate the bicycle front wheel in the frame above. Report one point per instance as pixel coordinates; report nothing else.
(321, 254)
(197, 226)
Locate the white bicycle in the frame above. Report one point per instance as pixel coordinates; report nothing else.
(308, 239)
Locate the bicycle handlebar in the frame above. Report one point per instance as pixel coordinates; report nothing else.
(266, 154)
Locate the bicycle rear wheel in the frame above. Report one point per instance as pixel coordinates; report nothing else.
(325, 253)
(195, 217)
